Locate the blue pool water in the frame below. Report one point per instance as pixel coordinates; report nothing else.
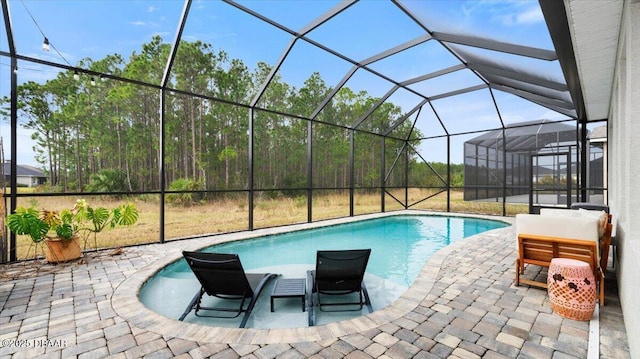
(400, 247)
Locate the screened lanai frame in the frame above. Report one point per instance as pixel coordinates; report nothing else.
(525, 147)
(491, 76)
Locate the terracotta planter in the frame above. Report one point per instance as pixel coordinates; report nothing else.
(62, 250)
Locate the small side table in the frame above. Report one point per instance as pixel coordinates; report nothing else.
(289, 288)
(572, 288)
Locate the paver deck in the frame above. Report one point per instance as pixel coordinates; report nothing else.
(463, 305)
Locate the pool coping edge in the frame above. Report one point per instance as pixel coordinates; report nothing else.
(126, 304)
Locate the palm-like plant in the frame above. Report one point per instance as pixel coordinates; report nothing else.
(27, 221)
(81, 219)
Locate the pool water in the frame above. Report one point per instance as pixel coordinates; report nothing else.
(400, 247)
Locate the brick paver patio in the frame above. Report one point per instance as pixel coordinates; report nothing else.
(463, 305)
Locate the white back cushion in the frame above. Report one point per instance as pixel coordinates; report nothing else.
(559, 212)
(600, 216)
(574, 227)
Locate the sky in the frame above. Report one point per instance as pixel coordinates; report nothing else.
(81, 29)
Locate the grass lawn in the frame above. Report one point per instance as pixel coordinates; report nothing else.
(229, 215)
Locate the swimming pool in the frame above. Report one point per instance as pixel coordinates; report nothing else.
(400, 247)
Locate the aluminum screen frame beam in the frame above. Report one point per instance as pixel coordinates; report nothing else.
(13, 185)
(394, 50)
(557, 99)
(537, 99)
(165, 80)
(488, 44)
(434, 74)
(520, 76)
(555, 16)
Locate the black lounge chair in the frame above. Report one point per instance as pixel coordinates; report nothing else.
(338, 272)
(222, 276)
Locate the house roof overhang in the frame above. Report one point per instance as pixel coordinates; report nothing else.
(585, 35)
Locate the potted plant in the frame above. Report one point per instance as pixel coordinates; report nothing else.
(60, 231)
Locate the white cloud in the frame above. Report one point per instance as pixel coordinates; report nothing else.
(522, 16)
(532, 15)
(163, 34)
(138, 23)
(506, 20)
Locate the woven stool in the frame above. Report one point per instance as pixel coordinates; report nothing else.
(572, 288)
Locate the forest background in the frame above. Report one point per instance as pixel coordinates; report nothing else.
(107, 136)
(103, 135)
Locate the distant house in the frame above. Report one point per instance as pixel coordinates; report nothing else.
(26, 176)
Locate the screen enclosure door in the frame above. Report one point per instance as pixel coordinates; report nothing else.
(551, 181)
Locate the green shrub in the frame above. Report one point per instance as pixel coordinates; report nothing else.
(185, 195)
(109, 180)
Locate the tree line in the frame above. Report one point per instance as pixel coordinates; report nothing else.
(94, 134)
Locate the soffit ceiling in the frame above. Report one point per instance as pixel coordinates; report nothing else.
(595, 27)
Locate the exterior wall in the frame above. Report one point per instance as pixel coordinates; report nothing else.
(27, 181)
(624, 169)
(24, 181)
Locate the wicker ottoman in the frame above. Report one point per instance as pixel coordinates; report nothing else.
(572, 288)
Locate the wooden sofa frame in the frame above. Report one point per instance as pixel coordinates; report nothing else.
(540, 250)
